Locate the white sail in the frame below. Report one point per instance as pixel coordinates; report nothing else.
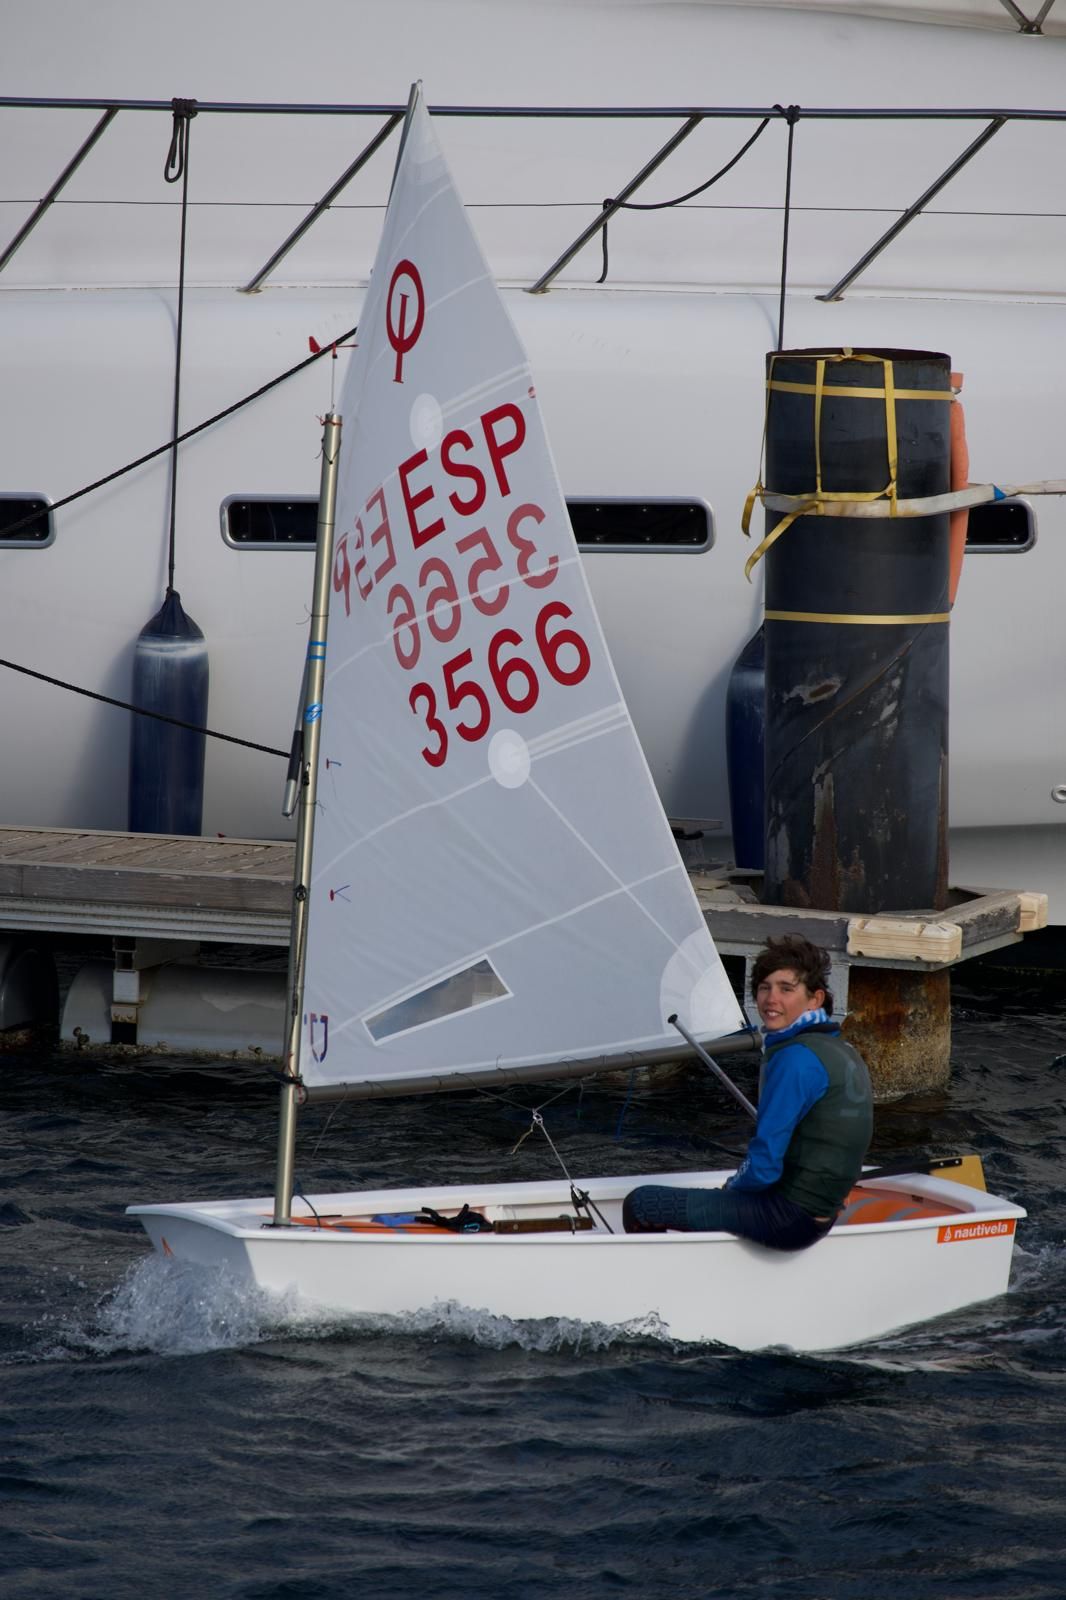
(494, 880)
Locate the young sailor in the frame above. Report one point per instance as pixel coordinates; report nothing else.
(814, 1123)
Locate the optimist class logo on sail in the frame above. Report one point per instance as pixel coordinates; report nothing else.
(447, 549)
(400, 337)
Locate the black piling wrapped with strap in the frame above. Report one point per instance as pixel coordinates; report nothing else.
(857, 633)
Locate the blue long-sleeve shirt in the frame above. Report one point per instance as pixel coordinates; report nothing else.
(795, 1081)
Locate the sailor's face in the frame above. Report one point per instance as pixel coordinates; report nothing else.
(783, 997)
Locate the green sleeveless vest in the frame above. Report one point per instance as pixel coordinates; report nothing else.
(827, 1149)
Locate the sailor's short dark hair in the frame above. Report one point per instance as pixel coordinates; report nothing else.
(808, 961)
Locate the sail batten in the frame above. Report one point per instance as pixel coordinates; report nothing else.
(495, 885)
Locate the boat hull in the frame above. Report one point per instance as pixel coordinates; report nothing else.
(864, 1280)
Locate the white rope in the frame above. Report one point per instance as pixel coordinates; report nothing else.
(975, 494)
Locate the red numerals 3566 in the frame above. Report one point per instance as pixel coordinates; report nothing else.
(514, 677)
(440, 603)
(478, 578)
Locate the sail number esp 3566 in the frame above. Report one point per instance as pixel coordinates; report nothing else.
(469, 574)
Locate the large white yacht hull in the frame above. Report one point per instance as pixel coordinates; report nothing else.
(861, 1282)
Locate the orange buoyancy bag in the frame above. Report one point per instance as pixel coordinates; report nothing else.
(960, 477)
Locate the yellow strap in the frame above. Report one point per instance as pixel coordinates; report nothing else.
(819, 380)
(819, 388)
(749, 507)
(783, 526)
(855, 617)
(749, 504)
(890, 431)
(841, 494)
(842, 391)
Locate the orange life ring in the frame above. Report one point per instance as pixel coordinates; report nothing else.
(960, 477)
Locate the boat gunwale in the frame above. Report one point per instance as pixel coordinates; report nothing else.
(233, 1217)
(341, 1236)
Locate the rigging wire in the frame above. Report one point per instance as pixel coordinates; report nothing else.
(177, 167)
(663, 205)
(579, 1198)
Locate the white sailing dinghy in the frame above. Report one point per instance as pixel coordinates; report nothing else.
(494, 892)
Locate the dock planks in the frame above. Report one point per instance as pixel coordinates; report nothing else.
(60, 880)
(91, 881)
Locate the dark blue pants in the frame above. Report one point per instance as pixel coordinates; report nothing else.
(762, 1215)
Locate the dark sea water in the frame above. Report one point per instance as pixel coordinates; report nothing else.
(162, 1434)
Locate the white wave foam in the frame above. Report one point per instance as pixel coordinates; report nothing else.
(448, 1319)
(173, 1308)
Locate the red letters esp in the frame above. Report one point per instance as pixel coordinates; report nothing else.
(504, 430)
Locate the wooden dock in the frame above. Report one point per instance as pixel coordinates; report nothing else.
(143, 885)
(975, 922)
(86, 881)
(159, 898)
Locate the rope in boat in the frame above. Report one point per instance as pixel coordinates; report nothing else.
(298, 1192)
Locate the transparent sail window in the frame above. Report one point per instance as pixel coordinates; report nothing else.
(478, 985)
